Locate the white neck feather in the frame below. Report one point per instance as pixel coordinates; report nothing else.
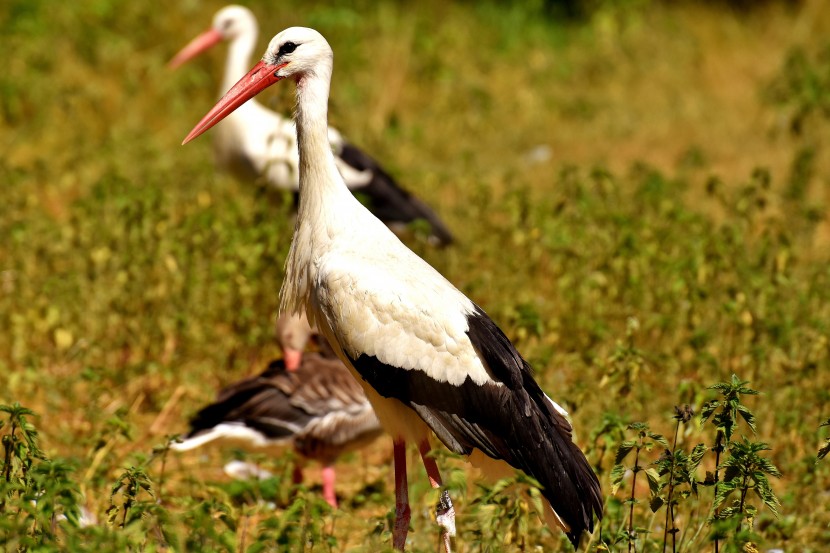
(324, 198)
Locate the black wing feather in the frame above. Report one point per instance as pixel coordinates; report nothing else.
(514, 422)
(255, 402)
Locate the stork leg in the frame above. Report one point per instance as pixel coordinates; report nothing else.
(444, 511)
(402, 511)
(328, 486)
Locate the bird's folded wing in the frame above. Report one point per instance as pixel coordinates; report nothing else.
(402, 312)
(451, 364)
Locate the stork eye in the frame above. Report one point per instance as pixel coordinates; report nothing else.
(287, 48)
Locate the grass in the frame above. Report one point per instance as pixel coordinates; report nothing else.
(640, 203)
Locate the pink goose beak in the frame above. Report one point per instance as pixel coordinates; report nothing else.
(258, 79)
(292, 359)
(203, 42)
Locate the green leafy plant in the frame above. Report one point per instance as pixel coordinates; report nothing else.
(627, 360)
(802, 87)
(680, 473)
(20, 444)
(645, 440)
(37, 494)
(608, 433)
(506, 513)
(129, 486)
(301, 525)
(724, 414)
(744, 471)
(211, 525)
(825, 449)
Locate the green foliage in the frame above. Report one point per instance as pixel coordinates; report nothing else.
(802, 88)
(301, 524)
(130, 485)
(681, 470)
(674, 479)
(726, 420)
(622, 211)
(680, 473)
(644, 440)
(609, 431)
(825, 449)
(20, 448)
(508, 514)
(38, 496)
(746, 470)
(211, 525)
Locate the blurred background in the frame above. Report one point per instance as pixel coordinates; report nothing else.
(639, 191)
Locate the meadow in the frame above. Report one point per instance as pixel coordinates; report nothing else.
(640, 194)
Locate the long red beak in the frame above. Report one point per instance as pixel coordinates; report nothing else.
(203, 42)
(258, 79)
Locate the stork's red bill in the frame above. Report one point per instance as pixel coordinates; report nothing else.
(260, 77)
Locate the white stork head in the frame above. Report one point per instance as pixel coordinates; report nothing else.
(231, 23)
(235, 21)
(294, 53)
(297, 51)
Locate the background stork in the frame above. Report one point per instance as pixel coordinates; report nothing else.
(258, 143)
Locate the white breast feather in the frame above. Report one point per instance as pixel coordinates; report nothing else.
(400, 311)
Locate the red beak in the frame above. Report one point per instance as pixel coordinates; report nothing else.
(258, 79)
(203, 42)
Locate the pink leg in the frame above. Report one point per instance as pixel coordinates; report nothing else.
(402, 511)
(328, 486)
(444, 512)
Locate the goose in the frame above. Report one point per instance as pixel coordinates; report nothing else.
(315, 406)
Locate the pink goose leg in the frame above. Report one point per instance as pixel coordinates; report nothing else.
(328, 486)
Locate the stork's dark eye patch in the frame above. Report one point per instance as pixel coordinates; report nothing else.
(287, 48)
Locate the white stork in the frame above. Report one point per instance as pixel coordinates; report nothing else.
(311, 403)
(428, 357)
(258, 143)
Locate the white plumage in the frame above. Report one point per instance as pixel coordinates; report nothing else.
(256, 143)
(428, 358)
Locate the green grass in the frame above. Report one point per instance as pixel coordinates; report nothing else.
(677, 235)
